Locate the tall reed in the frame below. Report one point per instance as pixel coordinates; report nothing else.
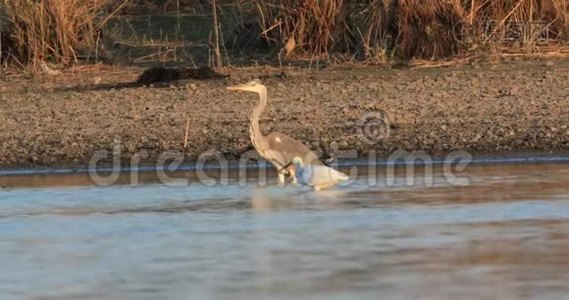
(373, 30)
(409, 28)
(527, 21)
(55, 30)
(312, 23)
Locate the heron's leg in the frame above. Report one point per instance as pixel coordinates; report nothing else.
(281, 179)
(292, 175)
(293, 180)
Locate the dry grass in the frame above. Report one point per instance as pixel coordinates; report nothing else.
(137, 7)
(377, 29)
(311, 23)
(524, 22)
(428, 31)
(367, 34)
(56, 30)
(370, 30)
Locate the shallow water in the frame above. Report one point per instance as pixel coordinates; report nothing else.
(505, 235)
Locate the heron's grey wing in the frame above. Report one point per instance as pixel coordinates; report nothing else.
(290, 148)
(276, 158)
(312, 159)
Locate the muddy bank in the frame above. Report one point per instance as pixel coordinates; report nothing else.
(512, 106)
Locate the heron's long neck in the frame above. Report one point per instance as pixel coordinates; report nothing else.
(257, 137)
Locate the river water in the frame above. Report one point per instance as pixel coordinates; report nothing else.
(503, 235)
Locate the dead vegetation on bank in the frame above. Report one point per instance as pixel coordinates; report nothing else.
(380, 29)
(375, 31)
(56, 31)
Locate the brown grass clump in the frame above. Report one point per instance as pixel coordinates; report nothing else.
(55, 30)
(370, 29)
(525, 23)
(375, 29)
(311, 23)
(428, 31)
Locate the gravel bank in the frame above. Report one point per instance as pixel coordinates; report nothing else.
(512, 106)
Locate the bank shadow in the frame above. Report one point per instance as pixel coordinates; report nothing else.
(156, 77)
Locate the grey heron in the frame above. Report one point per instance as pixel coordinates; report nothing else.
(277, 148)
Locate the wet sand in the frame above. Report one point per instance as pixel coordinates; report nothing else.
(511, 106)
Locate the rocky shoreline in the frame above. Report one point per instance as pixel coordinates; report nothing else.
(65, 120)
